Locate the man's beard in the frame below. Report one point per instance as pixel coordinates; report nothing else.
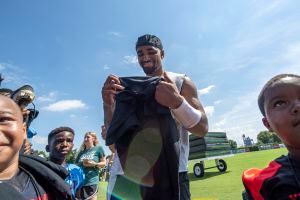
(149, 70)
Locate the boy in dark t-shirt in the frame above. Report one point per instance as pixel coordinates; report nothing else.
(31, 176)
(279, 102)
(25, 184)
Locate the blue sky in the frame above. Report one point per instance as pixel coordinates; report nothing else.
(65, 49)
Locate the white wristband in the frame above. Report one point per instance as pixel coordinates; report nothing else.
(187, 115)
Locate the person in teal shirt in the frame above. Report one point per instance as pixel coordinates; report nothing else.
(91, 158)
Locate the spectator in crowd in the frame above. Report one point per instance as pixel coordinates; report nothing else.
(60, 144)
(90, 157)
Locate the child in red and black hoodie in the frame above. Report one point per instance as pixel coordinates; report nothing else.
(279, 102)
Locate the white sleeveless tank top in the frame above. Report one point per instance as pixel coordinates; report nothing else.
(184, 135)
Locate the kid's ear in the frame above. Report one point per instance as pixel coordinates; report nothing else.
(47, 148)
(266, 123)
(162, 53)
(24, 130)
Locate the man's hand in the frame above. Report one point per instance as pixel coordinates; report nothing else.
(111, 87)
(167, 93)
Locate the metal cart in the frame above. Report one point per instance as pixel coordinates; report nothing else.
(199, 167)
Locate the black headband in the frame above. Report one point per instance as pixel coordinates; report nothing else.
(148, 39)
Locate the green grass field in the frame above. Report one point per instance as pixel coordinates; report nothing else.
(228, 185)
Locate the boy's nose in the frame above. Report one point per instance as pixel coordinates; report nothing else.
(64, 143)
(296, 107)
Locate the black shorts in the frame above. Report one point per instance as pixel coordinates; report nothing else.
(86, 192)
(184, 186)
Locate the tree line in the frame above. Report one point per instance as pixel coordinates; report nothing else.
(263, 137)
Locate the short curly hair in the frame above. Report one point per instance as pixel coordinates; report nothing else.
(272, 81)
(58, 130)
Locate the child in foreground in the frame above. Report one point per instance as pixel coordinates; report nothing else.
(279, 103)
(26, 175)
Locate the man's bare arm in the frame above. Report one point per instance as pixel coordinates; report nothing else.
(185, 104)
(108, 114)
(112, 148)
(189, 92)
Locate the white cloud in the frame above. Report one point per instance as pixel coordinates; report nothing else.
(265, 37)
(75, 116)
(130, 59)
(294, 51)
(287, 61)
(106, 67)
(2, 66)
(217, 102)
(243, 117)
(205, 90)
(209, 110)
(240, 119)
(40, 140)
(221, 123)
(264, 8)
(9, 66)
(13, 74)
(257, 42)
(292, 54)
(115, 34)
(49, 97)
(65, 105)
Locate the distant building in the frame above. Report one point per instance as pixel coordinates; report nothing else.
(247, 141)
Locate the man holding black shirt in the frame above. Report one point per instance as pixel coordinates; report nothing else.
(176, 91)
